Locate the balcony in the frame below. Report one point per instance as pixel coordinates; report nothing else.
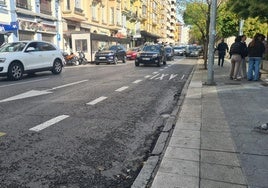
(47, 12)
(3, 3)
(75, 15)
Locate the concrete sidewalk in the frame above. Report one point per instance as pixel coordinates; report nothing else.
(213, 144)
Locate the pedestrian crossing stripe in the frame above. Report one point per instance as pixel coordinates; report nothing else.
(2, 134)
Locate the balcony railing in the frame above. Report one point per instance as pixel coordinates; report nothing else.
(26, 6)
(79, 10)
(3, 2)
(47, 12)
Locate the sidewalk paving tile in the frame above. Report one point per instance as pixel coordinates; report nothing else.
(167, 180)
(182, 153)
(229, 174)
(180, 167)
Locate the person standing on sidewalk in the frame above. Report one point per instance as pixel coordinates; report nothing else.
(236, 53)
(222, 48)
(256, 49)
(243, 67)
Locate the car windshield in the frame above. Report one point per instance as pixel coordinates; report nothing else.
(151, 49)
(179, 48)
(13, 47)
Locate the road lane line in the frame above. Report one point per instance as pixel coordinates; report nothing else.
(48, 123)
(147, 76)
(2, 134)
(7, 85)
(155, 72)
(182, 77)
(97, 100)
(122, 88)
(137, 81)
(66, 85)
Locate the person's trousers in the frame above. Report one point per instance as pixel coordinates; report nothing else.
(254, 68)
(243, 68)
(236, 61)
(221, 59)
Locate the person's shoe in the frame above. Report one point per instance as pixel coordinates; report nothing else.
(231, 78)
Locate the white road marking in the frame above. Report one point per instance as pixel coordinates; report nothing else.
(154, 76)
(24, 82)
(161, 77)
(137, 81)
(66, 85)
(97, 100)
(172, 76)
(31, 93)
(147, 76)
(121, 88)
(48, 123)
(165, 67)
(182, 77)
(34, 93)
(161, 69)
(155, 72)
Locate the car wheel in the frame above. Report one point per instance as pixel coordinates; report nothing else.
(15, 71)
(115, 60)
(97, 63)
(57, 67)
(164, 62)
(137, 64)
(124, 59)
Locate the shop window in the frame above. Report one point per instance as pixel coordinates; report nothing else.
(81, 45)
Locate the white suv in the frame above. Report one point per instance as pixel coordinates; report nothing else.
(27, 57)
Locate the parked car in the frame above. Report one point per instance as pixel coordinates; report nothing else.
(151, 54)
(19, 58)
(112, 54)
(132, 53)
(192, 51)
(179, 50)
(169, 53)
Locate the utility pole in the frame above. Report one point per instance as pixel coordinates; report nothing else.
(212, 34)
(57, 22)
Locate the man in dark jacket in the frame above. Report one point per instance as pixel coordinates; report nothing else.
(222, 48)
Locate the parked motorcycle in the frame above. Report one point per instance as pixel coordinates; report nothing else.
(82, 58)
(71, 59)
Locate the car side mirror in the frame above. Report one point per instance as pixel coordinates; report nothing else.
(30, 49)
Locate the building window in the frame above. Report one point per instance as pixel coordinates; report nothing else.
(112, 16)
(94, 12)
(144, 10)
(78, 4)
(118, 17)
(25, 4)
(45, 7)
(103, 14)
(68, 6)
(81, 45)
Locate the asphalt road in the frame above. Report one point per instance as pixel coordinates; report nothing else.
(91, 126)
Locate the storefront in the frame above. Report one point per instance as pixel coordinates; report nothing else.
(6, 30)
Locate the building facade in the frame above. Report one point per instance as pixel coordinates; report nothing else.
(88, 25)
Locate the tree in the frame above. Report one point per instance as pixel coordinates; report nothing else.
(250, 8)
(196, 15)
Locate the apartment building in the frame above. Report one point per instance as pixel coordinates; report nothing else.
(88, 25)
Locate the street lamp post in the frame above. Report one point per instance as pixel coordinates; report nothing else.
(212, 34)
(57, 22)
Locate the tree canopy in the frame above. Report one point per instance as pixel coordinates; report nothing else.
(250, 8)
